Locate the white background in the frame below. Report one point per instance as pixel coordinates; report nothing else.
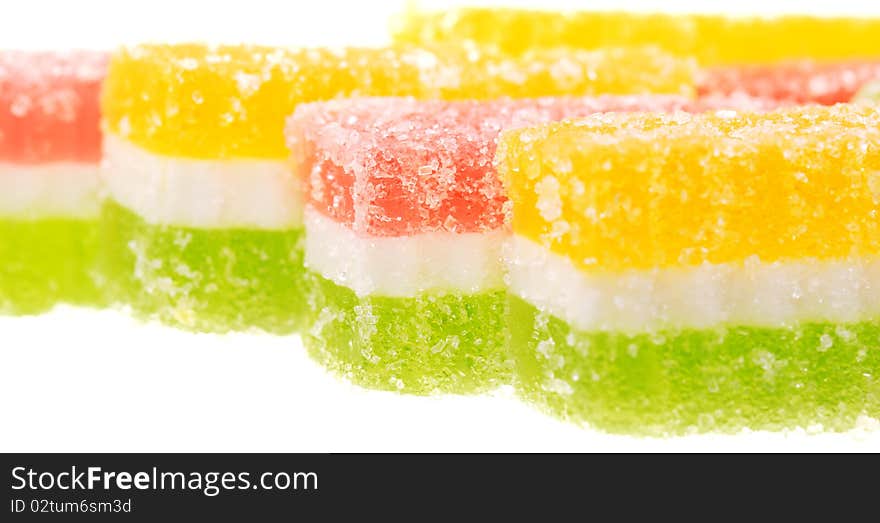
(80, 380)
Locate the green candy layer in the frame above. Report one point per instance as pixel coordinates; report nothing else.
(47, 261)
(430, 343)
(207, 280)
(723, 379)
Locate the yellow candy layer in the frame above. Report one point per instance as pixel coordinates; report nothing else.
(214, 102)
(711, 39)
(638, 191)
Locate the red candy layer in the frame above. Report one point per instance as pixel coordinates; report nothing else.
(398, 167)
(49, 106)
(796, 82)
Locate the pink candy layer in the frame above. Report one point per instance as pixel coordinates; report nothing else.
(399, 167)
(796, 82)
(49, 106)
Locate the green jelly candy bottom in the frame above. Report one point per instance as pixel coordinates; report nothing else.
(686, 381)
(47, 261)
(205, 280)
(449, 343)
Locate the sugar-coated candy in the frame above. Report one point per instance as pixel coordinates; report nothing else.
(712, 39)
(405, 218)
(204, 219)
(868, 93)
(798, 82)
(50, 144)
(201, 101)
(679, 273)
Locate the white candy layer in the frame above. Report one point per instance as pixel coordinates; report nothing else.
(259, 194)
(58, 190)
(751, 293)
(403, 266)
